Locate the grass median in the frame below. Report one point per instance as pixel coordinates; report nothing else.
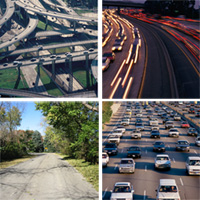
(90, 172)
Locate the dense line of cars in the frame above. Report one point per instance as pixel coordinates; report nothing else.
(167, 188)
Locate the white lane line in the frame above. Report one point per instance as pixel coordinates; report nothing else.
(168, 146)
(122, 151)
(145, 168)
(105, 192)
(181, 181)
(173, 160)
(195, 151)
(115, 167)
(146, 151)
(145, 194)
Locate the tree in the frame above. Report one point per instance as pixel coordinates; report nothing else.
(37, 142)
(75, 127)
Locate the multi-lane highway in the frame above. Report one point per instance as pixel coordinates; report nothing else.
(146, 178)
(168, 59)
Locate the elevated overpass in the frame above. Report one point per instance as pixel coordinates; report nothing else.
(123, 3)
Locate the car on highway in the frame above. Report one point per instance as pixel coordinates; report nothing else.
(121, 128)
(125, 122)
(162, 161)
(33, 59)
(153, 121)
(111, 148)
(169, 124)
(183, 145)
(105, 63)
(53, 56)
(197, 141)
(114, 139)
(134, 152)
(110, 55)
(118, 132)
(5, 64)
(192, 132)
(155, 127)
(121, 41)
(127, 165)
(173, 132)
(167, 189)
(136, 134)
(139, 126)
(191, 111)
(177, 117)
(149, 113)
(105, 159)
(155, 134)
(122, 190)
(185, 124)
(193, 165)
(159, 146)
(197, 114)
(117, 46)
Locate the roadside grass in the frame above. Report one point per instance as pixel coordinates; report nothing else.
(80, 75)
(80, 11)
(5, 164)
(107, 111)
(41, 25)
(60, 50)
(90, 172)
(8, 80)
(49, 84)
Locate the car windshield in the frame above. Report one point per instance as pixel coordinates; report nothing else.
(173, 130)
(126, 162)
(194, 162)
(183, 142)
(110, 146)
(159, 143)
(168, 189)
(104, 156)
(162, 158)
(134, 149)
(122, 189)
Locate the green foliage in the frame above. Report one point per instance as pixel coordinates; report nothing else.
(74, 128)
(37, 142)
(107, 112)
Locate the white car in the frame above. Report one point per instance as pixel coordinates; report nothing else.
(167, 189)
(105, 63)
(155, 127)
(117, 132)
(122, 190)
(127, 165)
(177, 117)
(153, 122)
(162, 161)
(125, 122)
(173, 132)
(114, 139)
(193, 165)
(105, 159)
(121, 128)
(197, 141)
(136, 134)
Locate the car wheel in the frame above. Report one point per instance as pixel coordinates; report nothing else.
(188, 150)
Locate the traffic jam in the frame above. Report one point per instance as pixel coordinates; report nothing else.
(151, 151)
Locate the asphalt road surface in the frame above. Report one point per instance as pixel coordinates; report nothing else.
(145, 180)
(44, 177)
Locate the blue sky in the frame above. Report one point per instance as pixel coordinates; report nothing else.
(31, 118)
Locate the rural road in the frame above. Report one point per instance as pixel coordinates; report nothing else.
(45, 177)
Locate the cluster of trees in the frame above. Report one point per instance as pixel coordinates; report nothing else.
(16, 143)
(172, 7)
(107, 111)
(73, 128)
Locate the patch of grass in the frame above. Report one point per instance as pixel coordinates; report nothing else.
(41, 25)
(90, 172)
(49, 84)
(9, 80)
(79, 11)
(4, 164)
(107, 111)
(61, 50)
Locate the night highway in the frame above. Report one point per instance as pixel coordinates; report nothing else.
(145, 179)
(36, 32)
(168, 56)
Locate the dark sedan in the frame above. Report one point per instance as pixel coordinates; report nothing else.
(134, 152)
(183, 145)
(159, 146)
(111, 148)
(155, 134)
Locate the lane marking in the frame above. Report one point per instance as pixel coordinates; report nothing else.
(145, 168)
(115, 167)
(195, 152)
(105, 192)
(173, 160)
(145, 194)
(146, 151)
(181, 181)
(122, 151)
